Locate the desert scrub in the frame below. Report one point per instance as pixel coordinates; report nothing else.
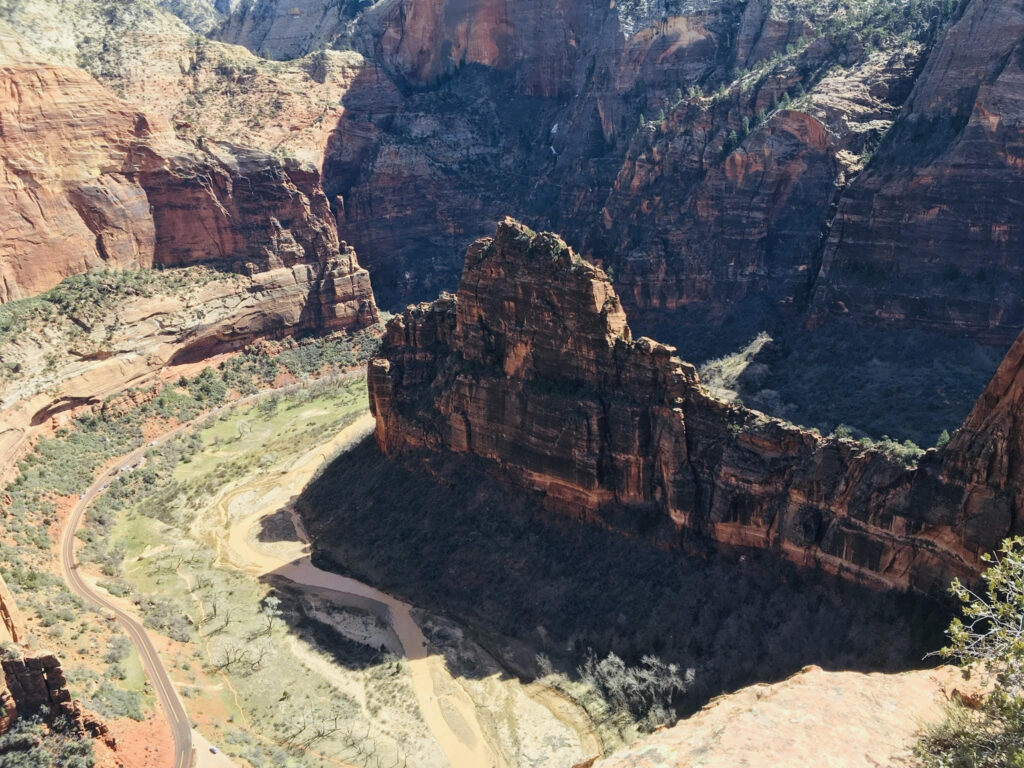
(30, 743)
(90, 296)
(989, 641)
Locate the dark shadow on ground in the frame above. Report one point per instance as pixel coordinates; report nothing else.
(277, 527)
(318, 615)
(455, 541)
(905, 383)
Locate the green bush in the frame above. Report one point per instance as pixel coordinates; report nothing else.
(989, 639)
(32, 744)
(112, 702)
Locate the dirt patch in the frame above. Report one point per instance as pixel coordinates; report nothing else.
(146, 744)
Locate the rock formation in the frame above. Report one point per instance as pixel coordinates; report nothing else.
(532, 366)
(93, 182)
(846, 716)
(930, 234)
(763, 189)
(33, 682)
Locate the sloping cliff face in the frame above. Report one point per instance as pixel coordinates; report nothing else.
(763, 190)
(930, 234)
(90, 182)
(532, 366)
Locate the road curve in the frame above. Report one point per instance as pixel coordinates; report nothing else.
(181, 727)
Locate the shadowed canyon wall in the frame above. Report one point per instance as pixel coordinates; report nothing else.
(792, 161)
(532, 366)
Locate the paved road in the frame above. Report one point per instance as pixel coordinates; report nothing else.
(181, 727)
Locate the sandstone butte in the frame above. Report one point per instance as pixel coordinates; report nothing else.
(532, 366)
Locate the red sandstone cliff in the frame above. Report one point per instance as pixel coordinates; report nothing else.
(91, 181)
(33, 682)
(532, 366)
(930, 234)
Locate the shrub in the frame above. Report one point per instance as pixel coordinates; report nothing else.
(31, 744)
(647, 692)
(111, 702)
(989, 639)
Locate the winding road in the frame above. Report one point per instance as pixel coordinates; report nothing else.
(181, 727)
(449, 716)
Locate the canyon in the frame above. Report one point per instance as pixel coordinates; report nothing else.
(795, 136)
(95, 183)
(532, 366)
(722, 158)
(187, 179)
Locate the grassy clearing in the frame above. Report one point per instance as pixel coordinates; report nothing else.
(269, 675)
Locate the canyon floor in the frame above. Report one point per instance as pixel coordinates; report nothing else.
(402, 703)
(423, 690)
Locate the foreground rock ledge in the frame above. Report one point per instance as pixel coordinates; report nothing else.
(532, 365)
(840, 719)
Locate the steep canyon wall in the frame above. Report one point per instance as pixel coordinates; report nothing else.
(92, 182)
(532, 365)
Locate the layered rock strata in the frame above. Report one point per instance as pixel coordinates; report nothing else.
(532, 365)
(33, 683)
(93, 182)
(36, 685)
(930, 234)
(763, 190)
(74, 363)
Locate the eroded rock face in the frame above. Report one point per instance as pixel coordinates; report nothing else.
(36, 685)
(930, 234)
(33, 683)
(532, 365)
(91, 182)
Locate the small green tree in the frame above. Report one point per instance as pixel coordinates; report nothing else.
(842, 431)
(988, 639)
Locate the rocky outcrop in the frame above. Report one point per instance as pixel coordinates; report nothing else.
(760, 192)
(92, 182)
(532, 366)
(11, 622)
(36, 685)
(33, 683)
(849, 717)
(145, 339)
